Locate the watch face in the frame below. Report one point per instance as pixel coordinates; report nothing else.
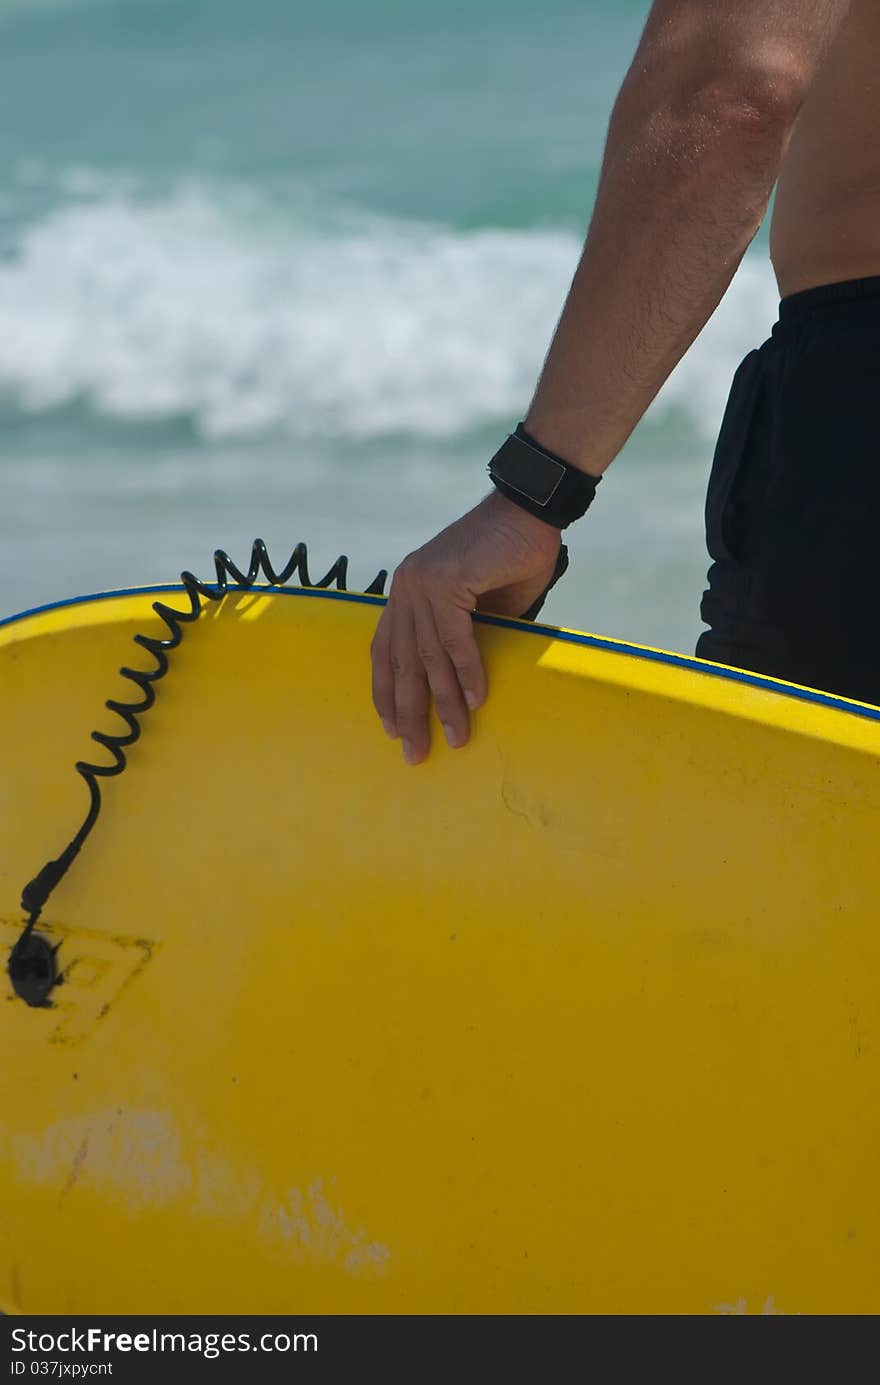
(526, 470)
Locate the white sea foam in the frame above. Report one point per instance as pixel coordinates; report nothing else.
(249, 317)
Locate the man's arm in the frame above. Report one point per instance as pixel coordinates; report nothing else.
(696, 139)
(695, 143)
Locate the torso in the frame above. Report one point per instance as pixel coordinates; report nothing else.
(826, 220)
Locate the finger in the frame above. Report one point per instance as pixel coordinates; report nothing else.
(382, 674)
(455, 630)
(442, 678)
(411, 693)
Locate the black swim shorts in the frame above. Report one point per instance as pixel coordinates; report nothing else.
(793, 506)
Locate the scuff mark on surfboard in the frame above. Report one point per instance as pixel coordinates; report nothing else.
(75, 1167)
(740, 1308)
(536, 814)
(310, 1221)
(137, 1159)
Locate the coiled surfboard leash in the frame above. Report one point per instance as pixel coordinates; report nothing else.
(33, 969)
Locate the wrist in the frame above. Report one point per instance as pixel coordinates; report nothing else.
(499, 506)
(541, 482)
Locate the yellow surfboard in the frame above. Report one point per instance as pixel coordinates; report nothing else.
(582, 1018)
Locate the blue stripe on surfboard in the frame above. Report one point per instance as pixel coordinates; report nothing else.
(633, 651)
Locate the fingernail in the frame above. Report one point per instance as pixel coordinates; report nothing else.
(390, 729)
(450, 734)
(471, 699)
(409, 753)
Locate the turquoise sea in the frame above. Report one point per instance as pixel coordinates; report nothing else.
(289, 268)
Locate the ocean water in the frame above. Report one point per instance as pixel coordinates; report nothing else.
(289, 269)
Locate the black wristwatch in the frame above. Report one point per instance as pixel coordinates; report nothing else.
(540, 482)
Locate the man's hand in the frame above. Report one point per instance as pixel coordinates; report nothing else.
(495, 558)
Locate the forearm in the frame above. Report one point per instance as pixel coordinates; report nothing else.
(681, 195)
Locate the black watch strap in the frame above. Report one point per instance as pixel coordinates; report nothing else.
(541, 482)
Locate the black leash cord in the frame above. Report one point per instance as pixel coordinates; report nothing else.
(32, 966)
(37, 891)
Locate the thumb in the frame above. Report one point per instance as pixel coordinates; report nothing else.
(524, 599)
